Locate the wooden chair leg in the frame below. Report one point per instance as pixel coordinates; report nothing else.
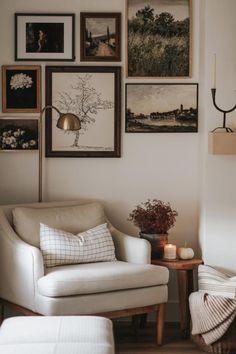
(1, 312)
(160, 324)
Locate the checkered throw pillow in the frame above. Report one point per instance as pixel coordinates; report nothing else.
(59, 247)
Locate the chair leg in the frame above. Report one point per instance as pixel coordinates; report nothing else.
(1, 312)
(160, 324)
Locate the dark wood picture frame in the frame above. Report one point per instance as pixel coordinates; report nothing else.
(95, 73)
(179, 118)
(19, 134)
(114, 47)
(55, 43)
(22, 93)
(166, 59)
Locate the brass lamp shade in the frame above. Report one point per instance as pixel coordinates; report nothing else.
(68, 121)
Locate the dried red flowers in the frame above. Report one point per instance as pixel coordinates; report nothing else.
(153, 217)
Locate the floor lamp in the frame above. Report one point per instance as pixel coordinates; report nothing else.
(66, 121)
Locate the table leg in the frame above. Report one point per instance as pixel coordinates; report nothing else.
(185, 284)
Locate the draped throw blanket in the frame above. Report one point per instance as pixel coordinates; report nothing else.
(213, 282)
(211, 315)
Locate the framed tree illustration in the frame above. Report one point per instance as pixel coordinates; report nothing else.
(93, 94)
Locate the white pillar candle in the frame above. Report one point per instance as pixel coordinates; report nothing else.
(170, 251)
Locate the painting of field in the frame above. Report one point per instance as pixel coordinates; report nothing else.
(158, 38)
(161, 108)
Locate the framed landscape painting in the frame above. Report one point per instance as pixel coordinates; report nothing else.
(21, 88)
(44, 37)
(93, 94)
(161, 108)
(17, 134)
(158, 38)
(100, 36)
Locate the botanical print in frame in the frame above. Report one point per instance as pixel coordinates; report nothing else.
(17, 134)
(44, 37)
(93, 94)
(100, 36)
(158, 38)
(21, 88)
(161, 108)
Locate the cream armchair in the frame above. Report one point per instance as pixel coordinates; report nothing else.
(129, 286)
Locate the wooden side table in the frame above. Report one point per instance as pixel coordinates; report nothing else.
(185, 284)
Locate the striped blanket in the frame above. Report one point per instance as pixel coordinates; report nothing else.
(213, 282)
(211, 315)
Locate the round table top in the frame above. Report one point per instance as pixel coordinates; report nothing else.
(178, 263)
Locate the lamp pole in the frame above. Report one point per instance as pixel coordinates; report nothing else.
(66, 121)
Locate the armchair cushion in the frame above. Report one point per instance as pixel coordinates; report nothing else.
(73, 219)
(100, 277)
(60, 247)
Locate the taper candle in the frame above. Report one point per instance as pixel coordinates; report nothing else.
(214, 72)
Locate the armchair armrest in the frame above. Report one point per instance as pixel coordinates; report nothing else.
(21, 266)
(129, 248)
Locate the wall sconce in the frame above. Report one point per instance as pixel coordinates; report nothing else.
(223, 142)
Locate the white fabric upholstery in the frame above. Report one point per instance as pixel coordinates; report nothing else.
(73, 219)
(100, 277)
(101, 302)
(59, 247)
(57, 335)
(22, 266)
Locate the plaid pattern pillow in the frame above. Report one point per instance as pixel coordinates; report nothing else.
(59, 247)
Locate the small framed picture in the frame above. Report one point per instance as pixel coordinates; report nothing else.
(17, 134)
(100, 36)
(161, 108)
(93, 93)
(21, 88)
(44, 37)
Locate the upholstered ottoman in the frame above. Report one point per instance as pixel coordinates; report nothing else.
(56, 335)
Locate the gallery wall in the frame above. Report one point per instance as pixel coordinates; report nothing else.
(166, 166)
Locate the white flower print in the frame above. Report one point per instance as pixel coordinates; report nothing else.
(20, 81)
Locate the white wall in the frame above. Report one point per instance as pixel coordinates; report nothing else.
(163, 166)
(218, 212)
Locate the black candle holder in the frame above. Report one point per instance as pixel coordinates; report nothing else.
(228, 130)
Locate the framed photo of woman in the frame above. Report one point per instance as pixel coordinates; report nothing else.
(44, 37)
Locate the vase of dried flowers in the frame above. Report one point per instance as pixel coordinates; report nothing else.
(154, 218)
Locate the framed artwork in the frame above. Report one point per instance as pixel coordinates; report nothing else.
(100, 36)
(17, 134)
(44, 37)
(159, 38)
(21, 88)
(161, 108)
(93, 94)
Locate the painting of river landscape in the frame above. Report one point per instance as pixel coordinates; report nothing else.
(161, 108)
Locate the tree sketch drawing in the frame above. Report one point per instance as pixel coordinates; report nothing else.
(85, 101)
